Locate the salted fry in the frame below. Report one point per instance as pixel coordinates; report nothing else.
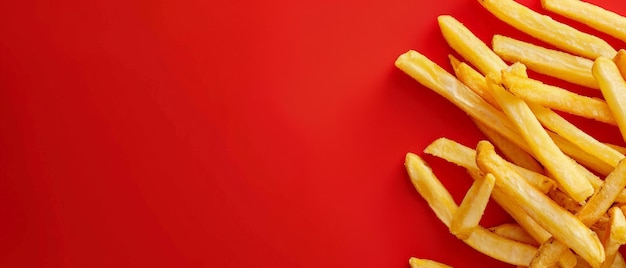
(464, 156)
(548, 30)
(546, 212)
(441, 202)
(594, 16)
(472, 207)
(549, 155)
(424, 263)
(557, 98)
(602, 200)
(569, 131)
(558, 64)
(514, 232)
(545, 256)
(615, 236)
(613, 89)
(583, 158)
(443, 83)
(474, 50)
(511, 151)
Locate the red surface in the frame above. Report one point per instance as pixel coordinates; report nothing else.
(226, 133)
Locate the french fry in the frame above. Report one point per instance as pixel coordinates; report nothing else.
(443, 83)
(557, 98)
(441, 202)
(470, 47)
(511, 151)
(549, 155)
(548, 30)
(514, 232)
(613, 89)
(620, 61)
(569, 131)
(615, 236)
(545, 256)
(558, 64)
(474, 81)
(468, 216)
(594, 16)
(602, 200)
(545, 211)
(583, 158)
(464, 156)
(424, 263)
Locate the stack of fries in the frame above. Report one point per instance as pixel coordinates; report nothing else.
(564, 188)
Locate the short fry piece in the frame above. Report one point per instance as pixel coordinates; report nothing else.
(546, 212)
(558, 64)
(620, 61)
(548, 30)
(441, 202)
(560, 166)
(602, 200)
(424, 263)
(613, 89)
(557, 98)
(615, 236)
(464, 42)
(468, 216)
(589, 14)
(545, 256)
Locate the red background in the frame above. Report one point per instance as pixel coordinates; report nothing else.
(226, 133)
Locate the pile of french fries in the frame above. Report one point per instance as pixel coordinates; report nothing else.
(564, 188)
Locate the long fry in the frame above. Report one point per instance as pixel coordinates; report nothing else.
(548, 30)
(613, 89)
(547, 213)
(565, 66)
(594, 16)
(441, 202)
(464, 42)
(560, 166)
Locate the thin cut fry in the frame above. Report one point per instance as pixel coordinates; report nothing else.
(558, 64)
(620, 61)
(441, 202)
(464, 156)
(602, 200)
(475, 81)
(514, 232)
(613, 89)
(439, 80)
(548, 30)
(560, 166)
(557, 98)
(543, 259)
(569, 131)
(615, 236)
(464, 42)
(594, 16)
(472, 207)
(546, 212)
(583, 158)
(424, 263)
(511, 151)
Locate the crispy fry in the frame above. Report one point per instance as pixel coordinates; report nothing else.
(613, 89)
(615, 236)
(583, 158)
(439, 80)
(620, 61)
(558, 64)
(549, 155)
(545, 256)
(602, 200)
(441, 202)
(559, 99)
(569, 131)
(514, 232)
(464, 156)
(464, 42)
(594, 16)
(472, 207)
(474, 81)
(548, 30)
(511, 151)
(424, 263)
(546, 212)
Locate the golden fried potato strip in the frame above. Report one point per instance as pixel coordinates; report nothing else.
(470, 47)
(563, 226)
(613, 89)
(594, 16)
(563, 168)
(441, 202)
(424, 263)
(472, 207)
(514, 232)
(548, 30)
(558, 64)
